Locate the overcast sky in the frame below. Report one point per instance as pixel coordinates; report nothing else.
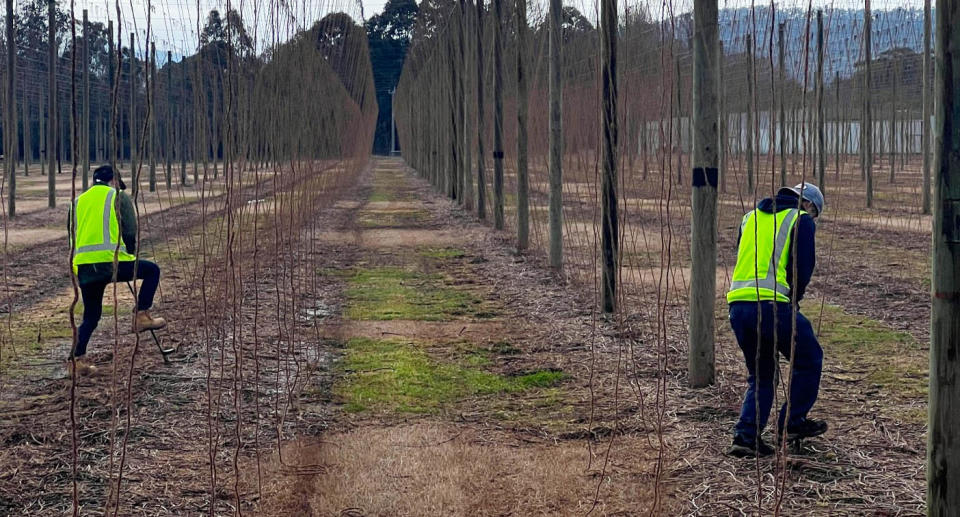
(174, 22)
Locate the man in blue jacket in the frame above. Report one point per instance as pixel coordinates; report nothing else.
(776, 256)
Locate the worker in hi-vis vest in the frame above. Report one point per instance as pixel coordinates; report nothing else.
(106, 229)
(776, 256)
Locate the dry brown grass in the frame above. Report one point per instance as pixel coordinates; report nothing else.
(440, 469)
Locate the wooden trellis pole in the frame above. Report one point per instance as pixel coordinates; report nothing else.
(112, 128)
(703, 231)
(466, 11)
(27, 116)
(783, 95)
(610, 234)
(927, 109)
(892, 139)
(866, 127)
(51, 104)
(498, 115)
(722, 120)
(85, 117)
(523, 180)
(943, 445)
(751, 77)
(838, 128)
(184, 121)
(821, 114)
(9, 121)
(556, 135)
(132, 120)
(168, 146)
(463, 159)
(152, 116)
(481, 124)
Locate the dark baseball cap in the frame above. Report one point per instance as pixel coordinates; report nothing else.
(105, 173)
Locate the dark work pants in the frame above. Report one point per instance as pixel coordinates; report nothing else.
(807, 364)
(93, 297)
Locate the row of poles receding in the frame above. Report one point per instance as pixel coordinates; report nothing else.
(102, 137)
(437, 133)
(445, 156)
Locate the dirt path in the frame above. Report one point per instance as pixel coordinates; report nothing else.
(462, 387)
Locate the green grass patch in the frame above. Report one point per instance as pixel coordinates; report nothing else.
(541, 379)
(504, 348)
(389, 188)
(891, 359)
(381, 195)
(30, 337)
(441, 253)
(395, 294)
(400, 376)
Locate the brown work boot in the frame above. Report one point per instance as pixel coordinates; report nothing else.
(81, 368)
(143, 321)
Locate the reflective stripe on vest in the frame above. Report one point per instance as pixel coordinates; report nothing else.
(766, 287)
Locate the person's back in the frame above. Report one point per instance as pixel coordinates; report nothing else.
(97, 234)
(101, 237)
(775, 260)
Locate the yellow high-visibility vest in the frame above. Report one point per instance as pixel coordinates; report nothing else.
(97, 228)
(761, 270)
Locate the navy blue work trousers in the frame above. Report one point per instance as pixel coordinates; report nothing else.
(93, 297)
(760, 351)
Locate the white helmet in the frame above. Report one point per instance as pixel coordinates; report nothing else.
(807, 191)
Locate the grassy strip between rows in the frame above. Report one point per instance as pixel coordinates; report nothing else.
(400, 294)
(400, 376)
(441, 253)
(872, 352)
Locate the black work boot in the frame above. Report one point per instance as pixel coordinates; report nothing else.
(808, 428)
(746, 448)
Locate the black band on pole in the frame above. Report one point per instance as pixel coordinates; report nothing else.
(498, 154)
(705, 176)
